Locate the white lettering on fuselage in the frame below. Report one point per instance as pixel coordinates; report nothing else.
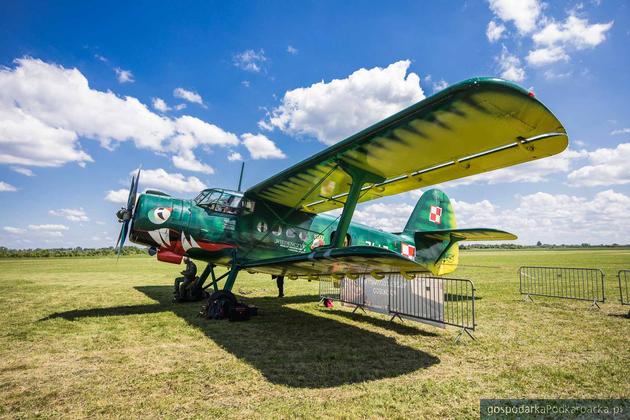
(370, 243)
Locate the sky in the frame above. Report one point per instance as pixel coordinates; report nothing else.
(90, 91)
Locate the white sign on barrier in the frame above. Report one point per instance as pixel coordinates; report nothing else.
(422, 297)
(376, 294)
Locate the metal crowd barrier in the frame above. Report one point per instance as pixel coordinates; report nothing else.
(443, 300)
(328, 288)
(353, 292)
(438, 301)
(562, 282)
(624, 280)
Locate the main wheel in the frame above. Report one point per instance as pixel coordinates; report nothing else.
(219, 304)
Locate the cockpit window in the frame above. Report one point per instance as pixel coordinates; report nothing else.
(227, 202)
(201, 195)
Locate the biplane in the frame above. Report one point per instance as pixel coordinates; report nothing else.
(283, 226)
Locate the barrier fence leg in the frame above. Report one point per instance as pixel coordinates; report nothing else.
(527, 296)
(594, 305)
(359, 307)
(394, 317)
(461, 333)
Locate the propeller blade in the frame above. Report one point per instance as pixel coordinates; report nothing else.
(119, 236)
(133, 190)
(123, 236)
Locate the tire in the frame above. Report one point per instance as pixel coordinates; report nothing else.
(220, 304)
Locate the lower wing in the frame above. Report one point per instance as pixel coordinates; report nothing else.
(340, 261)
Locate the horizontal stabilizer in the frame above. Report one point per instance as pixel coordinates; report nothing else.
(478, 234)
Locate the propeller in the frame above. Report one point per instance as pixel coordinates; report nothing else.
(126, 213)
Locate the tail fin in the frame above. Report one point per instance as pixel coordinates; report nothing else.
(434, 212)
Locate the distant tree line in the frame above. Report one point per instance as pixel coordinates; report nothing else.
(133, 250)
(540, 245)
(68, 252)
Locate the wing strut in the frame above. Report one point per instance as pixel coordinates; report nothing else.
(359, 177)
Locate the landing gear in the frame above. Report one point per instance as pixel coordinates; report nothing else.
(220, 305)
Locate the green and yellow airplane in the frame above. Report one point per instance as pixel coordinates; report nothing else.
(278, 226)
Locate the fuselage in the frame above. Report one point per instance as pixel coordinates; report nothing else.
(219, 225)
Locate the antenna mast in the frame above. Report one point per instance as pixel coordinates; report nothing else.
(240, 179)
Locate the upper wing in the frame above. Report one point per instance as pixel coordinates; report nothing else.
(480, 234)
(472, 127)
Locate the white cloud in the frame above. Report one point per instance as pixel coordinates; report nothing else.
(556, 38)
(332, 111)
(245, 83)
(510, 66)
(74, 215)
(552, 75)
(117, 196)
(4, 187)
(554, 218)
(260, 147)
(186, 160)
(13, 230)
(531, 172)
(160, 105)
(606, 167)
(162, 180)
(440, 85)
(48, 227)
(22, 171)
(179, 107)
(574, 31)
(204, 133)
(553, 40)
(124, 76)
(234, 156)
(188, 95)
(523, 13)
(494, 32)
(548, 55)
(292, 50)
(44, 108)
(193, 132)
(250, 60)
(620, 131)
(48, 230)
(387, 217)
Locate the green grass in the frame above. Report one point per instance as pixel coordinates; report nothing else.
(86, 337)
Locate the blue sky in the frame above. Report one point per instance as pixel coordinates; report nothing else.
(90, 91)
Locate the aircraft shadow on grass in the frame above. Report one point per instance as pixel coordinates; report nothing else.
(289, 346)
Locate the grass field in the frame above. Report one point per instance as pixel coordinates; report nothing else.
(95, 337)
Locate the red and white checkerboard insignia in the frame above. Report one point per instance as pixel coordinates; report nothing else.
(436, 214)
(409, 251)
